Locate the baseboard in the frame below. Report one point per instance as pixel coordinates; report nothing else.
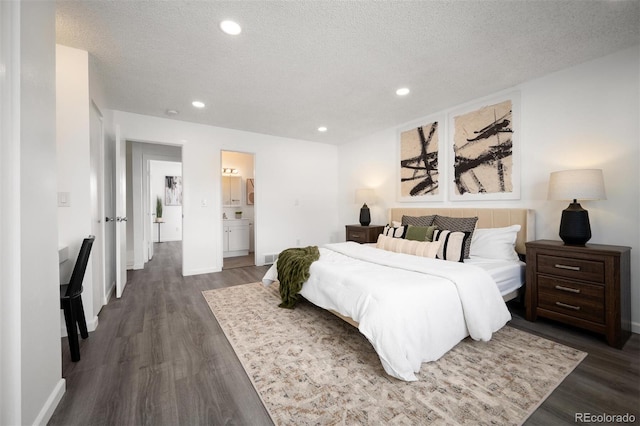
(110, 292)
(52, 402)
(635, 327)
(186, 273)
(137, 266)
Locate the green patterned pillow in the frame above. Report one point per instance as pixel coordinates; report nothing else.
(420, 233)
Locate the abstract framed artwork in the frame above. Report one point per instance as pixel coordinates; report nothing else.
(250, 191)
(484, 151)
(173, 190)
(420, 157)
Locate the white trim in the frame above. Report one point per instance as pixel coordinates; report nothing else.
(186, 273)
(10, 243)
(52, 402)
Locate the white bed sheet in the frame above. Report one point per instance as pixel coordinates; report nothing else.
(411, 309)
(509, 275)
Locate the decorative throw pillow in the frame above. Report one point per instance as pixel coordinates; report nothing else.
(458, 224)
(418, 220)
(495, 243)
(451, 244)
(412, 247)
(420, 233)
(395, 232)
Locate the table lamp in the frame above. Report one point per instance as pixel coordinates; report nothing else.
(586, 184)
(363, 196)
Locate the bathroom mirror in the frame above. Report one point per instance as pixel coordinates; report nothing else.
(231, 191)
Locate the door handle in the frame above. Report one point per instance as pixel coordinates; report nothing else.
(121, 219)
(108, 219)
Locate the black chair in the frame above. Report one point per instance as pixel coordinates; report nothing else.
(71, 300)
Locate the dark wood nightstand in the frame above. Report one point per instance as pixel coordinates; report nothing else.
(364, 234)
(587, 287)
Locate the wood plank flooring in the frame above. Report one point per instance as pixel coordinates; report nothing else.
(159, 357)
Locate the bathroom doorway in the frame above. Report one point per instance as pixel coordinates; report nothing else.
(238, 209)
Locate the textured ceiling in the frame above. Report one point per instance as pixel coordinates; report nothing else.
(298, 65)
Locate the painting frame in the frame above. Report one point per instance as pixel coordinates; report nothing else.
(492, 174)
(173, 190)
(251, 188)
(409, 149)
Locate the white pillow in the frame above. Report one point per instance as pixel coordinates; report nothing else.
(415, 248)
(495, 243)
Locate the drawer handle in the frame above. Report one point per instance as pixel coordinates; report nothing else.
(571, 268)
(564, 305)
(569, 289)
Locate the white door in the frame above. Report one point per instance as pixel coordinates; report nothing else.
(150, 207)
(121, 214)
(97, 211)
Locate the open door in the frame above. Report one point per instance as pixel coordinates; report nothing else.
(121, 213)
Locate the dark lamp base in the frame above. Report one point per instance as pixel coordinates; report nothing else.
(575, 229)
(365, 215)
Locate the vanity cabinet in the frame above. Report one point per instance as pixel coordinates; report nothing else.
(231, 191)
(235, 237)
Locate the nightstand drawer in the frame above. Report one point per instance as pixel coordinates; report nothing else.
(357, 235)
(571, 298)
(577, 269)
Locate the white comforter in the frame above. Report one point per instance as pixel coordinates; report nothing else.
(412, 309)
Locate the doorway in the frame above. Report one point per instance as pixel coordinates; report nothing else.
(238, 209)
(164, 209)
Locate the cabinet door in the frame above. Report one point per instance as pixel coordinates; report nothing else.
(225, 238)
(238, 238)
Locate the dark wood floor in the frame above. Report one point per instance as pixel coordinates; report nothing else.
(159, 357)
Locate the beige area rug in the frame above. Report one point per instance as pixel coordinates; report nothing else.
(309, 367)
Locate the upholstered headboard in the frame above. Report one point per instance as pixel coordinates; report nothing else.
(487, 218)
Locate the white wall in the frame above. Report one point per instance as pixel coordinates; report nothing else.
(74, 165)
(30, 355)
(582, 117)
(296, 187)
(171, 229)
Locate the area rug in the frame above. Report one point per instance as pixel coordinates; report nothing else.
(309, 367)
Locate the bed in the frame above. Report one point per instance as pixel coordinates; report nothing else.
(415, 309)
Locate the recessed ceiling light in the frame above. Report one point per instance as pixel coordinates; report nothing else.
(403, 91)
(322, 129)
(230, 27)
(172, 112)
(198, 104)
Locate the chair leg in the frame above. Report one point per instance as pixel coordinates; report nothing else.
(72, 331)
(82, 321)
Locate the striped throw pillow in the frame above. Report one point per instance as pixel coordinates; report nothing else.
(458, 224)
(395, 232)
(412, 247)
(451, 244)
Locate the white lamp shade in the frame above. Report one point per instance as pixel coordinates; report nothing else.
(365, 196)
(586, 184)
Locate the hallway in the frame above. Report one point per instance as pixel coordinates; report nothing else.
(159, 357)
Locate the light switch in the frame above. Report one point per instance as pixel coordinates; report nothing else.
(203, 203)
(64, 199)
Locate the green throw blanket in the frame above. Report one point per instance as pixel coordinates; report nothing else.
(293, 270)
